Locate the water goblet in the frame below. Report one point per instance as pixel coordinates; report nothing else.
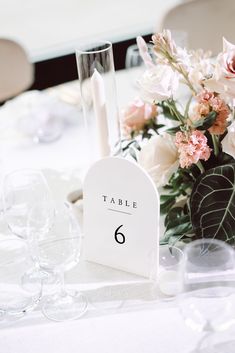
(134, 62)
(39, 222)
(28, 207)
(133, 57)
(22, 189)
(207, 279)
(59, 251)
(15, 301)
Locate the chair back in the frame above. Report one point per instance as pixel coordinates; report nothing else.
(204, 21)
(16, 72)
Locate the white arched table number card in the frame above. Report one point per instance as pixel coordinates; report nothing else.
(121, 217)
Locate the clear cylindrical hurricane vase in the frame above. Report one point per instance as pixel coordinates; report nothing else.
(99, 100)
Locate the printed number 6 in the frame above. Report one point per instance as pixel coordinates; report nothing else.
(119, 237)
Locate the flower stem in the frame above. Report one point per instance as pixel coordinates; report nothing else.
(200, 167)
(187, 107)
(176, 67)
(172, 106)
(215, 144)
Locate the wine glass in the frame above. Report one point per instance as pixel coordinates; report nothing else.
(15, 301)
(134, 62)
(58, 251)
(133, 57)
(207, 298)
(28, 208)
(22, 189)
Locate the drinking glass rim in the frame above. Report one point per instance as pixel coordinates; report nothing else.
(23, 171)
(210, 241)
(95, 44)
(178, 251)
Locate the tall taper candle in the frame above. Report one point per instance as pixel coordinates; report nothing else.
(99, 105)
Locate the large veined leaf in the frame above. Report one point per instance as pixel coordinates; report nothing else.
(212, 204)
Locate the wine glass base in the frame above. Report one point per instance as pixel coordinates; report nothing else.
(17, 304)
(64, 307)
(106, 299)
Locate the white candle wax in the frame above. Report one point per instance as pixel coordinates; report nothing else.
(99, 104)
(168, 282)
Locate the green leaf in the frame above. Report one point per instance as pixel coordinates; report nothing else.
(164, 198)
(166, 206)
(173, 130)
(207, 122)
(177, 221)
(132, 153)
(212, 204)
(167, 112)
(180, 229)
(156, 127)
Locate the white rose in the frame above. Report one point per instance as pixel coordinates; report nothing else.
(159, 157)
(228, 143)
(200, 66)
(158, 83)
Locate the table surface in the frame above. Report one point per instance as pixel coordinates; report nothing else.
(158, 329)
(19, 151)
(146, 322)
(54, 28)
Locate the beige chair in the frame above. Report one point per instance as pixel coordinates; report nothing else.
(16, 72)
(205, 21)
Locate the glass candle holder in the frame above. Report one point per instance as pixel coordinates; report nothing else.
(170, 260)
(99, 100)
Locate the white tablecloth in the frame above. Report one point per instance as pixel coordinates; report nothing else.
(69, 152)
(156, 330)
(143, 324)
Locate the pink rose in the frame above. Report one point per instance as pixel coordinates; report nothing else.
(223, 79)
(136, 115)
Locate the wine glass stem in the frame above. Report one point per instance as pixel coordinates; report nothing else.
(62, 283)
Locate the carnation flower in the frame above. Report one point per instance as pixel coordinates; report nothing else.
(192, 147)
(207, 102)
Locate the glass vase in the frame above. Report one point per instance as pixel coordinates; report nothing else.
(99, 100)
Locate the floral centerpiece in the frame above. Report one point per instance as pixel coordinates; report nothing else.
(181, 129)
